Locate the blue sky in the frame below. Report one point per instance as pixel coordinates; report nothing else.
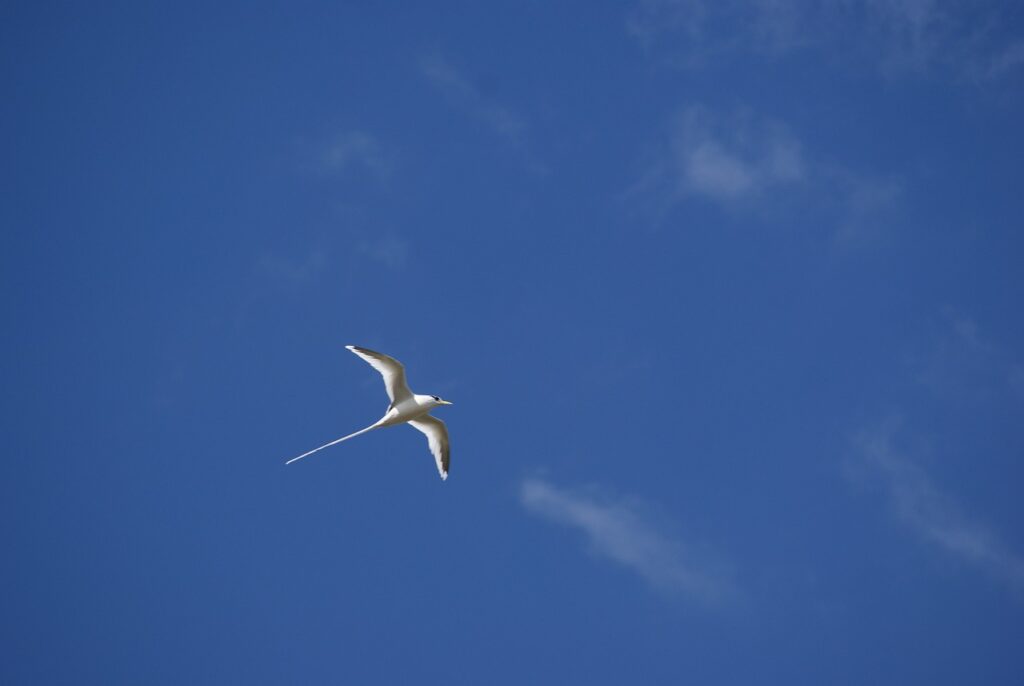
(727, 296)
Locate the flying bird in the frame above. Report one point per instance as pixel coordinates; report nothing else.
(406, 408)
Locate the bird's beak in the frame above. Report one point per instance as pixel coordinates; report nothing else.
(446, 402)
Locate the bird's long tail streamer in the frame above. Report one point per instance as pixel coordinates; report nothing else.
(328, 445)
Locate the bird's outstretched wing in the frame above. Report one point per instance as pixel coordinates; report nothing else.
(437, 438)
(390, 368)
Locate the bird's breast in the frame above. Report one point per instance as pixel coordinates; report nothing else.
(404, 411)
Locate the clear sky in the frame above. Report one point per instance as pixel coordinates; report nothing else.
(727, 296)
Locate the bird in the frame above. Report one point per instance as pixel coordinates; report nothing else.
(406, 408)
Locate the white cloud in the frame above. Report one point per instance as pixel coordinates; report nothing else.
(968, 376)
(727, 160)
(697, 30)
(864, 204)
(962, 363)
(453, 83)
(356, 150)
(749, 164)
(618, 531)
(966, 37)
(931, 514)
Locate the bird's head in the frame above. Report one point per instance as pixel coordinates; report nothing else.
(438, 401)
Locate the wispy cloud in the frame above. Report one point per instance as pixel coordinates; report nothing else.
(454, 84)
(732, 159)
(962, 362)
(862, 204)
(745, 163)
(697, 30)
(356, 151)
(966, 330)
(618, 530)
(899, 36)
(930, 513)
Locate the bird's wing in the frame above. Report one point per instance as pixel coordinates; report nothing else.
(437, 438)
(390, 368)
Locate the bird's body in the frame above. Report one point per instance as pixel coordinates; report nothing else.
(406, 408)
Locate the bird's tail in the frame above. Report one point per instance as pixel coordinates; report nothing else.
(328, 445)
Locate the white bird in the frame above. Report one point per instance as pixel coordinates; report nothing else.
(406, 408)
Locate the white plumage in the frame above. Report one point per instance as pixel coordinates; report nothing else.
(406, 408)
